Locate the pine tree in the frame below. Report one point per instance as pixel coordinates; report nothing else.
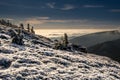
(22, 26)
(28, 27)
(3, 22)
(65, 41)
(19, 31)
(18, 38)
(32, 30)
(56, 42)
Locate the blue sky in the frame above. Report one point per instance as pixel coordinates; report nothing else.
(63, 13)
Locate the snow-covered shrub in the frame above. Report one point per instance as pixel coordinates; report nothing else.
(29, 61)
(46, 53)
(60, 61)
(4, 36)
(46, 61)
(12, 32)
(40, 42)
(18, 39)
(5, 62)
(4, 50)
(19, 77)
(6, 77)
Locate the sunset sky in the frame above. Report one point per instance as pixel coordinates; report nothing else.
(54, 14)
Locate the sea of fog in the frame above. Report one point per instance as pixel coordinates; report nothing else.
(57, 33)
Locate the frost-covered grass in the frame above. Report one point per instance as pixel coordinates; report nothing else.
(38, 62)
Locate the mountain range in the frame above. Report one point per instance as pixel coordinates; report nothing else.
(110, 49)
(96, 38)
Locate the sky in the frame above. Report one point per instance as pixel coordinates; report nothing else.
(62, 14)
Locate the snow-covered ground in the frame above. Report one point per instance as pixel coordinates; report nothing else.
(39, 62)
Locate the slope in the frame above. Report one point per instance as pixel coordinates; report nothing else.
(39, 62)
(96, 38)
(110, 49)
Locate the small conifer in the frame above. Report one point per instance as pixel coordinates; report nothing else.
(28, 27)
(22, 26)
(65, 40)
(32, 30)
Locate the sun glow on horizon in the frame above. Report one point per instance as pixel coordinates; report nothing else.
(71, 32)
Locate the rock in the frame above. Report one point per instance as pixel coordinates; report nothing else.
(5, 63)
(3, 50)
(3, 36)
(18, 39)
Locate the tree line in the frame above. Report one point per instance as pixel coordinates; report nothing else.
(64, 44)
(9, 24)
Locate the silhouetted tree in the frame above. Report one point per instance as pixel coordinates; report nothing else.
(28, 27)
(18, 38)
(65, 40)
(19, 31)
(3, 22)
(32, 30)
(22, 26)
(7, 23)
(63, 44)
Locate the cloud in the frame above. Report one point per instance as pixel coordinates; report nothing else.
(68, 7)
(51, 5)
(115, 10)
(47, 22)
(93, 6)
(42, 20)
(36, 20)
(10, 19)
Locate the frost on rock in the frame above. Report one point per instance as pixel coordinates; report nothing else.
(5, 62)
(4, 50)
(48, 53)
(3, 36)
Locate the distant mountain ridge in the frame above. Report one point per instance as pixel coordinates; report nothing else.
(96, 38)
(110, 49)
